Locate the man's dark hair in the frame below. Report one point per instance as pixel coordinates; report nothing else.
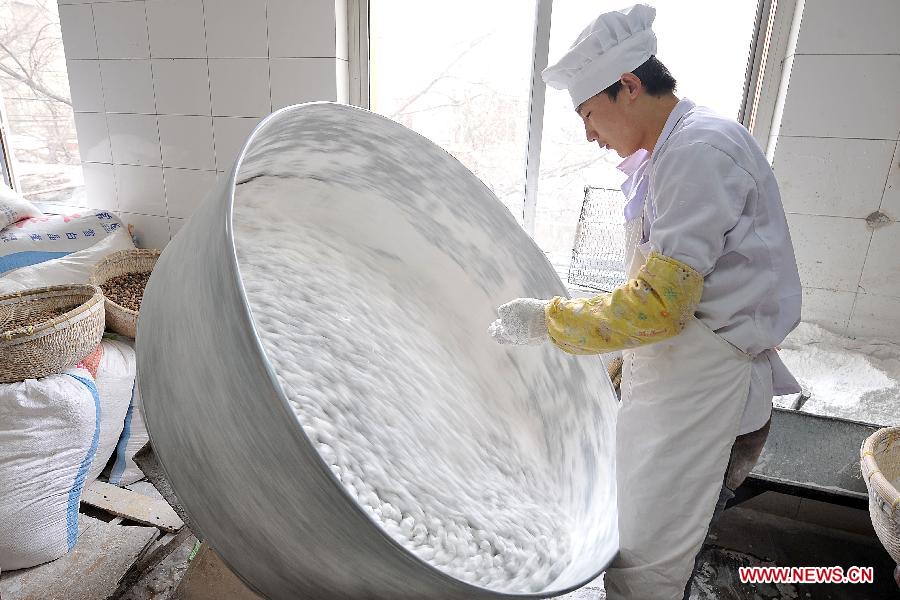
(654, 76)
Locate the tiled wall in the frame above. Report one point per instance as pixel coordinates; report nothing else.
(166, 91)
(837, 161)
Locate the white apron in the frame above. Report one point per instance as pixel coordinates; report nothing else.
(682, 401)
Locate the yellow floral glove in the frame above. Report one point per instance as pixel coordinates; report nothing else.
(652, 307)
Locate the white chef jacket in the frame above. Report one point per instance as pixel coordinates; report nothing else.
(710, 200)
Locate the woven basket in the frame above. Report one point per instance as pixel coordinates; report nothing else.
(880, 460)
(54, 343)
(118, 318)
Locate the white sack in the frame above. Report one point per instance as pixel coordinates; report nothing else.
(72, 268)
(115, 383)
(134, 436)
(14, 208)
(49, 430)
(39, 239)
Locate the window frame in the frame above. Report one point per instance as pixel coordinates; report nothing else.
(538, 92)
(358, 36)
(768, 65)
(7, 162)
(763, 85)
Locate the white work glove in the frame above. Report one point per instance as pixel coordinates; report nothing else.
(522, 321)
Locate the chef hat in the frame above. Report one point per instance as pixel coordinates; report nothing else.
(615, 43)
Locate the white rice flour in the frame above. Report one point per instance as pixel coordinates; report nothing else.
(855, 379)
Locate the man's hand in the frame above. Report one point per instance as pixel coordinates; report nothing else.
(522, 321)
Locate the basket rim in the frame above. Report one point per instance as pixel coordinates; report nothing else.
(116, 257)
(870, 468)
(96, 296)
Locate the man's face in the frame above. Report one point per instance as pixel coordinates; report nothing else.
(609, 123)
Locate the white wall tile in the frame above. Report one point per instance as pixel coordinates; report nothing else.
(134, 139)
(84, 85)
(832, 176)
(303, 29)
(239, 87)
(77, 23)
(867, 108)
(128, 86)
(875, 316)
(151, 231)
(121, 29)
(296, 80)
(829, 308)
(176, 28)
(890, 202)
(186, 189)
(231, 133)
(140, 190)
(187, 142)
(881, 274)
(830, 250)
(182, 86)
(841, 27)
(100, 186)
(236, 28)
(93, 137)
(175, 226)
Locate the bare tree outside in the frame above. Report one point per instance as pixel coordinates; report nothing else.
(461, 78)
(35, 92)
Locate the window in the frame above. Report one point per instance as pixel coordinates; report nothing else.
(37, 124)
(463, 80)
(460, 76)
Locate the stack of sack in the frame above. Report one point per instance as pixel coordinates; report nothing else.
(58, 433)
(37, 250)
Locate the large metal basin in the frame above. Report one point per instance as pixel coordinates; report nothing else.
(251, 481)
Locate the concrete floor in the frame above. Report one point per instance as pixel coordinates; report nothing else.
(771, 529)
(161, 582)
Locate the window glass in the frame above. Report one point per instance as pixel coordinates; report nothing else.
(34, 89)
(459, 73)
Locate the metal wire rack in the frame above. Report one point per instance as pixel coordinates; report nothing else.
(598, 254)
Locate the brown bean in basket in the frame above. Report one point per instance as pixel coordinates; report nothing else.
(126, 290)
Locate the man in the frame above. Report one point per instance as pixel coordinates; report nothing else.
(713, 289)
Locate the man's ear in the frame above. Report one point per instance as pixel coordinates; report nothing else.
(631, 84)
